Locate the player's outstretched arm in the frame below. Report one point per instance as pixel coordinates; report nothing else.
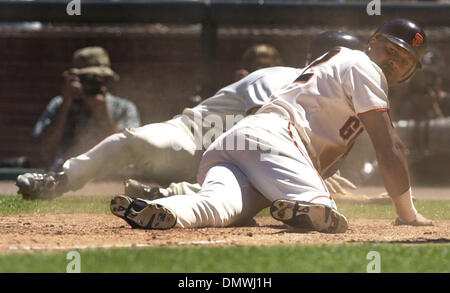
(393, 165)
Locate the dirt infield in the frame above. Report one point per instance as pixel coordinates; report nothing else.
(77, 231)
(38, 232)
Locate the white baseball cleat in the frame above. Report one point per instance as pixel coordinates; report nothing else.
(140, 214)
(309, 216)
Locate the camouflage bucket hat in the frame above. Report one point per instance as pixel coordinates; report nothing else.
(92, 60)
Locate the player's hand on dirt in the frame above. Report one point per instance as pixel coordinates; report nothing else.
(418, 221)
(337, 184)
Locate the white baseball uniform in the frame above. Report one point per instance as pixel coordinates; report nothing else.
(171, 150)
(282, 151)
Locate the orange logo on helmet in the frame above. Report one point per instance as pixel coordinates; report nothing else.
(418, 40)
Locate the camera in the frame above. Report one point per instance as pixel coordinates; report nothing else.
(92, 84)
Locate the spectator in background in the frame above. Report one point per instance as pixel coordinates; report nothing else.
(257, 57)
(85, 112)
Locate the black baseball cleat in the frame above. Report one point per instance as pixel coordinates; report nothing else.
(140, 214)
(309, 216)
(134, 188)
(37, 186)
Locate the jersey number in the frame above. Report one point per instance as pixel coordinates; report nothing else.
(305, 77)
(350, 127)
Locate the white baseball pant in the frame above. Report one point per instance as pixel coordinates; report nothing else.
(151, 148)
(258, 161)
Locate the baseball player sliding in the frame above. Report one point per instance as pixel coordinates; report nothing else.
(318, 46)
(171, 150)
(278, 156)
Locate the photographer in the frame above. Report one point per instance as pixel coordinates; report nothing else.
(85, 112)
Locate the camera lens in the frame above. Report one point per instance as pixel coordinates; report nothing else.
(92, 84)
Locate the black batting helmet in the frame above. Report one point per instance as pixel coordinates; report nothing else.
(328, 40)
(406, 34)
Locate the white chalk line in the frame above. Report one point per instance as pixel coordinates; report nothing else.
(109, 246)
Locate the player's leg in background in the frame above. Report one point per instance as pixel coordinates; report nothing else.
(161, 150)
(110, 155)
(226, 198)
(167, 152)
